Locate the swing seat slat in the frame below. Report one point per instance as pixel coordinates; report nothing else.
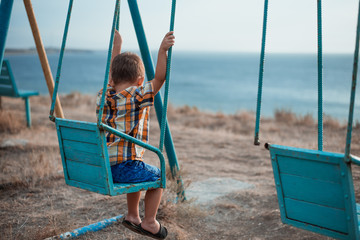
(85, 159)
(315, 191)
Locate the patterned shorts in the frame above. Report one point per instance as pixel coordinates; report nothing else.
(133, 171)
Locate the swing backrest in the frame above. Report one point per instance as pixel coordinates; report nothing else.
(7, 83)
(315, 191)
(84, 159)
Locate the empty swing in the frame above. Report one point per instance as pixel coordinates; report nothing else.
(315, 188)
(83, 145)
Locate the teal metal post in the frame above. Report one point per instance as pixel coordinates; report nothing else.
(62, 50)
(353, 91)
(167, 82)
(5, 14)
(115, 25)
(150, 73)
(28, 113)
(90, 228)
(320, 77)
(261, 75)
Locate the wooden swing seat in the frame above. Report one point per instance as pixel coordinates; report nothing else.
(85, 159)
(315, 191)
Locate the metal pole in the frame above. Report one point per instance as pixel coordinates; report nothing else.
(5, 14)
(42, 56)
(167, 82)
(54, 96)
(353, 91)
(108, 61)
(261, 75)
(150, 73)
(90, 228)
(320, 81)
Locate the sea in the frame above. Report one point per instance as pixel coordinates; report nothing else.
(215, 82)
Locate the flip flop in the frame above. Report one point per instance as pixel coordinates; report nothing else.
(161, 234)
(132, 226)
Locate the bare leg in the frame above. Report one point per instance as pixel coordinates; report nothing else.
(152, 202)
(133, 200)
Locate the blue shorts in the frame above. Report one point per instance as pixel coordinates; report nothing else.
(134, 171)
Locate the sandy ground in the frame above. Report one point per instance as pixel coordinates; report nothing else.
(35, 202)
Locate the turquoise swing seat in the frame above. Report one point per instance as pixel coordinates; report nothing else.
(85, 159)
(315, 191)
(315, 188)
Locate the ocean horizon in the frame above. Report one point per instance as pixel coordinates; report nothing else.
(214, 81)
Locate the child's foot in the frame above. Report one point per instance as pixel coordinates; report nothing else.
(132, 226)
(154, 230)
(134, 220)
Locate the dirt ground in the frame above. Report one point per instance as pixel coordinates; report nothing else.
(35, 202)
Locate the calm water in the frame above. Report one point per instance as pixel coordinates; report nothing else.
(215, 81)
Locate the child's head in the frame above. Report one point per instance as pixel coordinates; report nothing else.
(127, 67)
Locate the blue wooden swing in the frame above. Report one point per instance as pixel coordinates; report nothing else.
(82, 144)
(315, 188)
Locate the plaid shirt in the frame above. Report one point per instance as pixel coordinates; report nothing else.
(128, 112)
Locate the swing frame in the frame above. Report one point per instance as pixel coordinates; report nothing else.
(95, 174)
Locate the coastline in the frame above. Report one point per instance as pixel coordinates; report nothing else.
(289, 83)
(49, 50)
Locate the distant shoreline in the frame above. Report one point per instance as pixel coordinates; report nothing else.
(15, 51)
(54, 50)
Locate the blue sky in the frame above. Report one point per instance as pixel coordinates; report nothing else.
(201, 25)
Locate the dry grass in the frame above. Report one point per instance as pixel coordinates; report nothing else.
(290, 118)
(29, 166)
(191, 117)
(70, 99)
(243, 122)
(11, 122)
(35, 203)
(306, 120)
(331, 123)
(172, 211)
(285, 116)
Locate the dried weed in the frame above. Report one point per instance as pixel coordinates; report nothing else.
(290, 118)
(244, 116)
(187, 110)
(285, 116)
(10, 123)
(331, 123)
(306, 120)
(32, 165)
(172, 210)
(72, 99)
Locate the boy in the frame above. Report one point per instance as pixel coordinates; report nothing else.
(127, 109)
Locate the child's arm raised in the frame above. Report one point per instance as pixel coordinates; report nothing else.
(116, 51)
(160, 73)
(116, 45)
